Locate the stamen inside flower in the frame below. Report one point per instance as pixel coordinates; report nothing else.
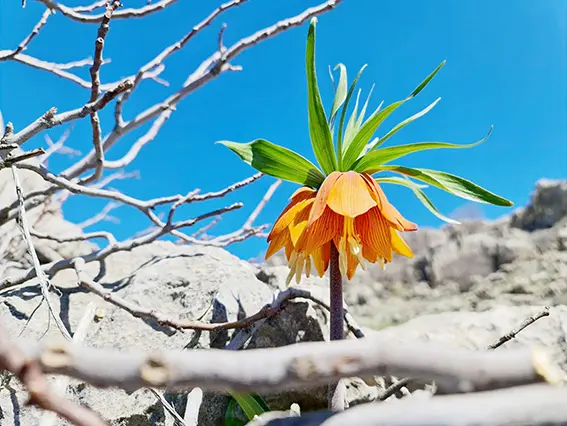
(299, 268)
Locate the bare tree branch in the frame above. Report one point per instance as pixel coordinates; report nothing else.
(42, 279)
(29, 372)
(532, 405)
(76, 15)
(95, 91)
(51, 118)
(54, 267)
(138, 311)
(295, 366)
(215, 65)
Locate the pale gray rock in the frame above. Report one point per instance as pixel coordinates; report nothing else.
(547, 207)
(183, 282)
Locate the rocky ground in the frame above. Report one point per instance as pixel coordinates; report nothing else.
(466, 286)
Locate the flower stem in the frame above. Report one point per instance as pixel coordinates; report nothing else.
(336, 284)
(336, 395)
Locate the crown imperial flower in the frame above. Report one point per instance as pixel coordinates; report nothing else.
(349, 210)
(340, 206)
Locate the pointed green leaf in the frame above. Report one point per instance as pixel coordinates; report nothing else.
(343, 114)
(365, 133)
(426, 81)
(360, 119)
(404, 123)
(340, 92)
(230, 416)
(453, 184)
(277, 161)
(321, 137)
(332, 79)
(351, 128)
(355, 122)
(371, 162)
(400, 181)
(416, 188)
(250, 404)
(369, 146)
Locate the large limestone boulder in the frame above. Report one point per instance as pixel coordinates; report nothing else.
(182, 282)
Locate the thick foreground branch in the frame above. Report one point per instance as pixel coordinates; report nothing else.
(298, 365)
(533, 405)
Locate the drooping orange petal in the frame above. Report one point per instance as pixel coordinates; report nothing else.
(288, 215)
(299, 222)
(399, 245)
(295, 231)
(280, 240)
(322, 196)
(321, 257)
(350, 195)
(288, 251)
(303, 191)
(369, 254)
(391, 214)
(374, 232)
(320, 232)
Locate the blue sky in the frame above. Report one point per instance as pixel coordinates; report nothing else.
(506, 66)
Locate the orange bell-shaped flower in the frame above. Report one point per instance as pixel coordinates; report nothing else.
(349, 210)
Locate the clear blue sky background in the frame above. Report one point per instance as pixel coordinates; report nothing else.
(506, 66)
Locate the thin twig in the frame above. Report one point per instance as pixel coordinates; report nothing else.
(211, 68)
(51, 118)
(75, 15)
(25, 42)
(393, 388)
(514, 332)
(42, 279)
(168, 407)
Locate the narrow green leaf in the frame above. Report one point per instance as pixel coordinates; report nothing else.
(249, 405)
(360, 118)
(340, 92)
(351, 127)
(371, 162)
(365, 133)
(277, 161)
(416, 189)
(343, 114)
(332, 78)
(319, 130)
(369, 146)
(453, 184)
(404, 181)
(355, 122)
(426, 81)
(404, 123)
(230, 416)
